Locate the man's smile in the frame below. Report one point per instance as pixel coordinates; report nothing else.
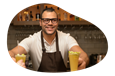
(50, 27)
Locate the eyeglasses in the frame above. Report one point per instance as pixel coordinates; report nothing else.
(47, 20)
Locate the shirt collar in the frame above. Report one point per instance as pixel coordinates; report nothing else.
(52, 41)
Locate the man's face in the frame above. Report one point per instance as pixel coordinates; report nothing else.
(48, 23)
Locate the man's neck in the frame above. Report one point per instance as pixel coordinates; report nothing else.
(49, 38)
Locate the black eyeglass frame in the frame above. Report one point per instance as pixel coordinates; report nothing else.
(49, 20)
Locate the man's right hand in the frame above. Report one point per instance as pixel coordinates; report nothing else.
(17, 66)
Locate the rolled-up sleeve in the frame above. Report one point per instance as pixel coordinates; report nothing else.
(71, 42)
(26, 43)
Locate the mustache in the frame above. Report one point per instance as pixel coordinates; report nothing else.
(50, 26)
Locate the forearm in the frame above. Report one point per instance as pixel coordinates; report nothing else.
(11, 54)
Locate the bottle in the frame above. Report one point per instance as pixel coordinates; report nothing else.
(71, 17)
(59, 15)
(26, 14)
(76, 18)
(65, 16)
(31, 16)
(37, 14)
(101, 62)
(20, 17)
(27, 17)
(46, 7)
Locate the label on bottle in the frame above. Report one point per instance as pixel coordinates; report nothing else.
(27, 17)
(76, 18)
(20, 17)
(65, 16)
(59, 16)
(37, 16)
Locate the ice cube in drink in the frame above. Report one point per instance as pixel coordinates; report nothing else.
(19, 57)
(73, 59)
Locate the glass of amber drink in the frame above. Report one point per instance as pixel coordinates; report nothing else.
(19, 57)
(73, 59)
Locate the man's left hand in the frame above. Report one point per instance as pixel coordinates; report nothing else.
(81, 64)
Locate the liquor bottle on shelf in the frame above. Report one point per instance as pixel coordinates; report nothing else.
(26, 14)
(20, 17)
(46, 7)
(31, 16)
(72, 17)
(59, 15)
(65, 16)
(76, 18)
(27, 17)
(37, 14)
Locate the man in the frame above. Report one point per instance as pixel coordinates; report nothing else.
(49, 47)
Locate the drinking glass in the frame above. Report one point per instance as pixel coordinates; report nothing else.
(19, 57)
(73, 59)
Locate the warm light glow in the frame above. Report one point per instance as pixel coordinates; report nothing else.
(25, 12)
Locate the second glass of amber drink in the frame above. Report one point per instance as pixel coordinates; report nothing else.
(19, 57)
(73, 59)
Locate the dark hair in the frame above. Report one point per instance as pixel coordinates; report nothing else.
(48, 10)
